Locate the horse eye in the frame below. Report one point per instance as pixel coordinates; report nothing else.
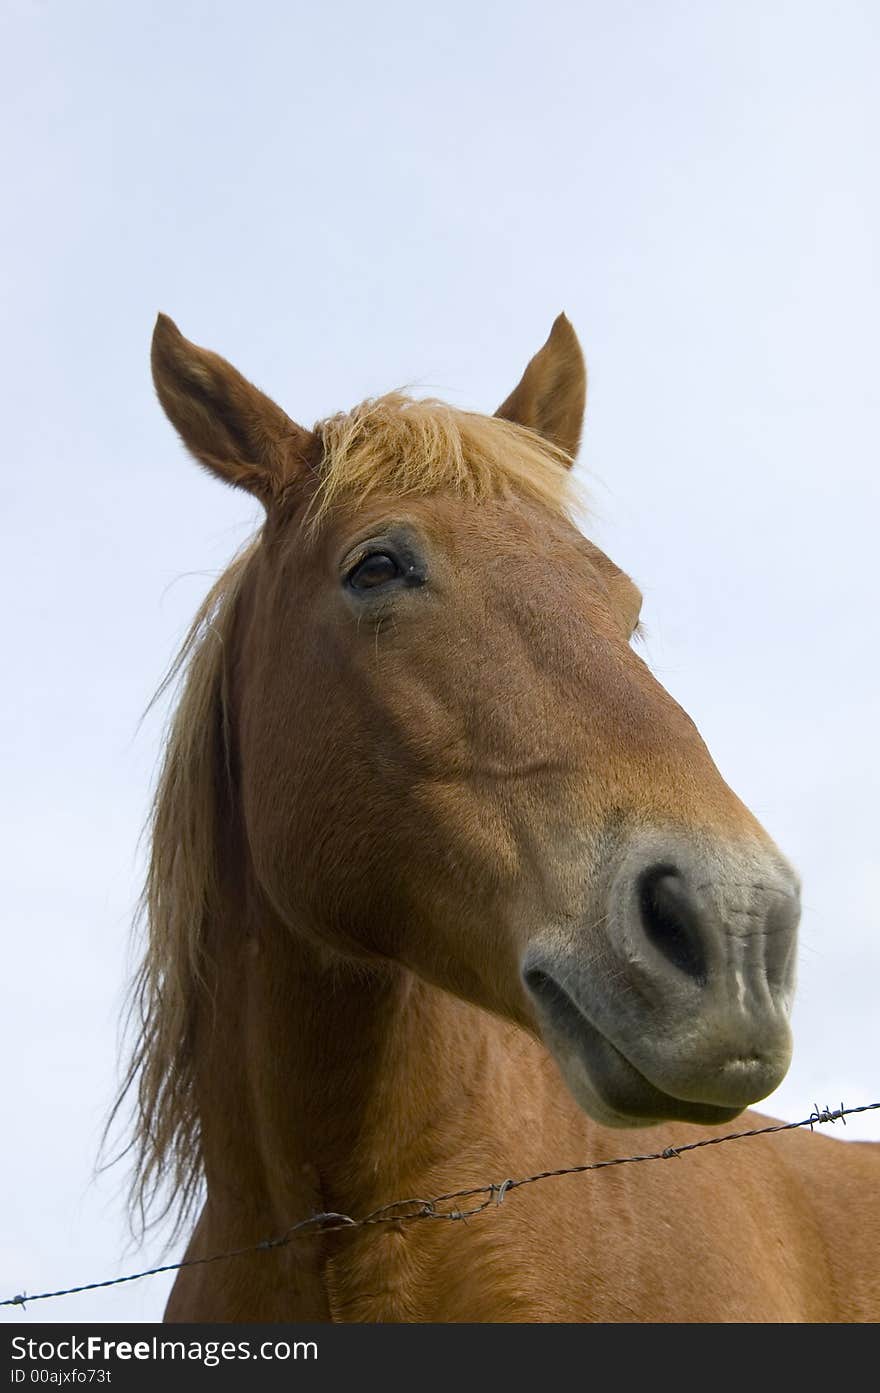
(373, 570)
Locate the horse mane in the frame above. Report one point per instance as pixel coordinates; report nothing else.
(178, 900)
(397, 445)
(392, 444)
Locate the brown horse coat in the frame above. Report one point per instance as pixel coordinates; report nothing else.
(446, 888)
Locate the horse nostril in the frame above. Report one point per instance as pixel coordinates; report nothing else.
(671, 920)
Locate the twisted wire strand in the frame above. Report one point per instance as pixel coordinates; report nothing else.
(404, 1211)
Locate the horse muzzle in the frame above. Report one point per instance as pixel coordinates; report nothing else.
(676, 1003)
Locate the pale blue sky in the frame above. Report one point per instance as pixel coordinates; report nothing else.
(344, 198)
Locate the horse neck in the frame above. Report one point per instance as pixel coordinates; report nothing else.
(324, 1084)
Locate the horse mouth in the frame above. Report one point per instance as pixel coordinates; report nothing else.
(606, 1084)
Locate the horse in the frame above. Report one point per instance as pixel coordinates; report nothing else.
(444, 887)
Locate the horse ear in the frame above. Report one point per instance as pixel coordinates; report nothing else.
(229, 425)
(552, 392)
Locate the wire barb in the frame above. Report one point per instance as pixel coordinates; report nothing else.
(493, 1194)
(499, 1191)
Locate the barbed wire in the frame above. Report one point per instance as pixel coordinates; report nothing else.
(411, 1210)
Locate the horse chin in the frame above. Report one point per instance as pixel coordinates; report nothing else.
(613, 1092)
(627, 1070)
